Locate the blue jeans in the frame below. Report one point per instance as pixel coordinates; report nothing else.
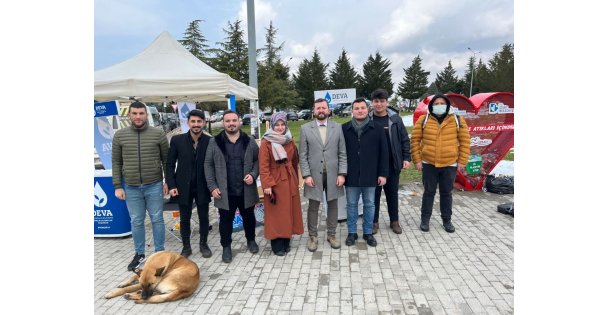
(140, 198)
(352, 207)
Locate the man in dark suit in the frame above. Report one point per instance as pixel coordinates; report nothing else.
(188, 182)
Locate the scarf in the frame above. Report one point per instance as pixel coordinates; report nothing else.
(359, 126)
(277, 141)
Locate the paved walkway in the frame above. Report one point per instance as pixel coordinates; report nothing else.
(467, 272)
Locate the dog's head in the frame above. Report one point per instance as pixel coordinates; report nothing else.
(149, 279)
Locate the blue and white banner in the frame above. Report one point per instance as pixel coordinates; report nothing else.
(103, 131)
(183, 108)
(111, 215)
(334, 97)
(108, 108)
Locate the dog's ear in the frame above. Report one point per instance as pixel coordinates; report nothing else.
(137, 271)
(159, 271)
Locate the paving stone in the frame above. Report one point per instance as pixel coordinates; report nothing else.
(467, 272)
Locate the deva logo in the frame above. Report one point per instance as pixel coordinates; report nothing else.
(101, 199)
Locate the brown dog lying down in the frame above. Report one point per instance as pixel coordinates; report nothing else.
(166, 276)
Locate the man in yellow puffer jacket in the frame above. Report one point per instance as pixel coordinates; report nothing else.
(439, 144)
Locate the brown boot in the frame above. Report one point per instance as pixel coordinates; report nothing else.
(375, 228)
(333, 241)
(312, 243)
(396, 228)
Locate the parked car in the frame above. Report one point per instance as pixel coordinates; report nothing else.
(264, 117)
(304, 114)
(292, 116)
(339, 110)
(346, 112)
(246, 120)
(217, 116)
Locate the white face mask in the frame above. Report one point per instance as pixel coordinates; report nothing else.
(439, 109)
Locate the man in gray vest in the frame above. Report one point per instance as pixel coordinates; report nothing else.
(323, 167)
(139, 153)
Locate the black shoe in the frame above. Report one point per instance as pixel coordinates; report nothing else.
(138, 259)
(286, 245)
(371, 241)
(186, 251)
(449, 227)
(351, 238)
(424, 226)
(205, 250)
(227, 255)
(280, 253)
(253, 246)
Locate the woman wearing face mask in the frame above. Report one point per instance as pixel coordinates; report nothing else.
(439, 147)
(279, 160)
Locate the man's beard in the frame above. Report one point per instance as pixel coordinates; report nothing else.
(232, 132)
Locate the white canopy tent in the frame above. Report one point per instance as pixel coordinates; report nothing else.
(166, 71)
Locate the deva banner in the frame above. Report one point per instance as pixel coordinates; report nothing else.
(103, 131)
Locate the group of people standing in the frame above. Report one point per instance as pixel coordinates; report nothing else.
(359, 159)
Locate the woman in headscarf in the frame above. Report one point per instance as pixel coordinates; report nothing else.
(279, 160)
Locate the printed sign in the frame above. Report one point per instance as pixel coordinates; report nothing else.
(103, 131)
(111, 214)
(337, 96)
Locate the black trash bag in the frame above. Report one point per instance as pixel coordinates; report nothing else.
(506, 208)
(500, 185)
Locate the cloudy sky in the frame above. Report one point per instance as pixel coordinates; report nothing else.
(437, 30)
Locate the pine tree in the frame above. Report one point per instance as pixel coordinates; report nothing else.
(466, 80)
(195, 42)
(482, 81)
(501, 68)
(310, 77)
(274, 89)
(232, 57)
(414, 84)
(271, 50)
(343, 75)
(447, 80)
(376, 74)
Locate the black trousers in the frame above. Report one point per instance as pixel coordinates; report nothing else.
(431, 178)
(279, 244)
(227, 217)
(185, 214)
(390, 192)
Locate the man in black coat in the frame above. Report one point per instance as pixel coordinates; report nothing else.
(398, 156)
(367, 155)
(188, 182)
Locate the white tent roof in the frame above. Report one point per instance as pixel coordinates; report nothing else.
(166, 71)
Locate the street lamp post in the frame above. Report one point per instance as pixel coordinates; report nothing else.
(472, 69)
